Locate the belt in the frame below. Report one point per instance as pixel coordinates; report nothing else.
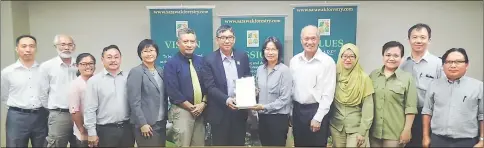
(312, 105)
(120, 124)
(61, 110)
(25, 110)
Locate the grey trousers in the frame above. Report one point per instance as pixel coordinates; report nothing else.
(22, 126)
(60, 129)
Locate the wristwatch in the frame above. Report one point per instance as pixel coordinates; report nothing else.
(481, 138)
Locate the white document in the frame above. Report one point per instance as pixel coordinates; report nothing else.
(245, 93)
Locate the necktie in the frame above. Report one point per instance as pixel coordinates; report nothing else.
(197, 91)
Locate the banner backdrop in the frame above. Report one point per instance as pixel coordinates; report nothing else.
(166, 21)
(336, 25)
(251, 32)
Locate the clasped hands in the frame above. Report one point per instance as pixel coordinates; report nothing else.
(197, 109)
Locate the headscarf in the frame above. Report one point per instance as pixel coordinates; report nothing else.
(352, 85)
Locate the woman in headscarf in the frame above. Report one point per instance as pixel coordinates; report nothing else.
(352, 111)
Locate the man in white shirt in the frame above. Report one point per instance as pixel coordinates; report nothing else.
(26, 118)
(56, 76)
(314, 74)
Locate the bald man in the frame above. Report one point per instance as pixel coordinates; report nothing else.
(314, 74)
(56, 75)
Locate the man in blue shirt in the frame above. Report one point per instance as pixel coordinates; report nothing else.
(182, 75)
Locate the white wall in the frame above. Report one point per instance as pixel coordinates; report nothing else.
(95, 25)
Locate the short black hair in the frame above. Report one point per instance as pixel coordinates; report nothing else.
(418, 27)
(145, 44)
(24, 36)
(109, 47)
(82, 56)
(391, 44)
(460, 50)
(279, 47)
(224, 28)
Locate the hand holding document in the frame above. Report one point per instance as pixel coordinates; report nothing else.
(244, 88)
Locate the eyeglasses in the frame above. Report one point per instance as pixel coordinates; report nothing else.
(344, 57)
(223, 38)
(66, 45)
(457, 62)
(87, 64)
(392, 55)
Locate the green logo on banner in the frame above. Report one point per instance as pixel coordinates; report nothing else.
(165, 23)
(251, 32)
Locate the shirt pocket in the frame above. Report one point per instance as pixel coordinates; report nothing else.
(424, 81)
(398, 93)
(468, 105)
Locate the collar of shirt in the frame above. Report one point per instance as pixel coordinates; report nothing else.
(424, 57)
(106, 72)
(397, 72)
(185, 58)
(276, 67)
(318, 56)
(19, 64)
(60, 62)
(223, 55)
(457, 81)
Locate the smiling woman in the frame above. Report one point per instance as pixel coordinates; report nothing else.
(147, 98)
(86, 66)
(395, 100)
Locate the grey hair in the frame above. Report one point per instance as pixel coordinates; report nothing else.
(58, 36)
(308, 27)
(186, 31)
(224, 28)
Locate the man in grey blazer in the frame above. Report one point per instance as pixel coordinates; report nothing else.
(147, 99)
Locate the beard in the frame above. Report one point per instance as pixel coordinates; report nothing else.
(64, 54)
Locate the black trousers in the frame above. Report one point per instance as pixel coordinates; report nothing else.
(231, 130)
(417, 131)
(115, 135)
(443, 141)
(273, 129)
(158, 139)
(303, 136)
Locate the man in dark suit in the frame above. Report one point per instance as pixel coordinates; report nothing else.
(221, 69)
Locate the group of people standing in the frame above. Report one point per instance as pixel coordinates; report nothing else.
(420, 101)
